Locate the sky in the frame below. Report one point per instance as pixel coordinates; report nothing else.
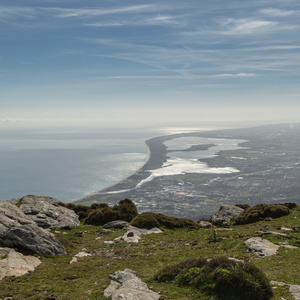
(149, 62)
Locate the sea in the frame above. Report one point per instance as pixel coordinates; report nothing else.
(70, 163)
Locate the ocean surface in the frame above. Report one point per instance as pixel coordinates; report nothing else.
(69, 164)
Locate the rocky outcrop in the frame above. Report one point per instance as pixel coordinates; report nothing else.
(225, 214)
(17, 230)
(133, 234)
(126, 285)
(13, 263)
(261, 247)
(47, 213)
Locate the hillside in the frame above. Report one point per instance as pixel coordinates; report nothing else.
(56, 278)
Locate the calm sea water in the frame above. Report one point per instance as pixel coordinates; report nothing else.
(70, 164)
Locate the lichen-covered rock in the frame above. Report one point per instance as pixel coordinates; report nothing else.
(17, 230)
(13, 263)
(225, 214)
(47, 213)
(126, 285)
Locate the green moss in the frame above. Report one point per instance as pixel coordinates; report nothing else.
(260, 212)
(149, 220)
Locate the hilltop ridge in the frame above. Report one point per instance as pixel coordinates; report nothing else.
(100, 252)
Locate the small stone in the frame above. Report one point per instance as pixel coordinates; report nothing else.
(74, 260)
(105, 231)
(274, 233)
(83, 254)
(279, 283)
(109, 242)
(286, 229)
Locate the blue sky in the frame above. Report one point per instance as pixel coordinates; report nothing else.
(119, 62)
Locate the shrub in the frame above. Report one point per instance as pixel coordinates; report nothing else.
(125, 210)
(101, 216)
(101, 213)
(149, 220)
(220, 277)
(260, 212)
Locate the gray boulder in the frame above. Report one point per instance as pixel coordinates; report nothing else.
(16, 264)
(205, 224)
(295, 291)
(126, 285)
(17, 230)
(261, 247)
(134, 234)
(225, 214)
(47, 213)
(119, 224)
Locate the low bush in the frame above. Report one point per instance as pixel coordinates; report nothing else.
(149, 220)
(220, 277)
(101, 213)
(125, 210)
(259, 212)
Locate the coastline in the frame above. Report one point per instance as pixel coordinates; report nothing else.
(157, 158)
(268, 163)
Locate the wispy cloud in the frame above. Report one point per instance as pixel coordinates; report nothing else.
(140, 21)
(245, 26)
(190, 77)
(276, 12)
(11, 11)
(92, 12)
(111, 24)
(241, 75)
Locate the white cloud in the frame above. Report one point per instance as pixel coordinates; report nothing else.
(275, 12)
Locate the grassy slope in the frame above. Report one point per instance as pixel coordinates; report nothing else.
(88, 278)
